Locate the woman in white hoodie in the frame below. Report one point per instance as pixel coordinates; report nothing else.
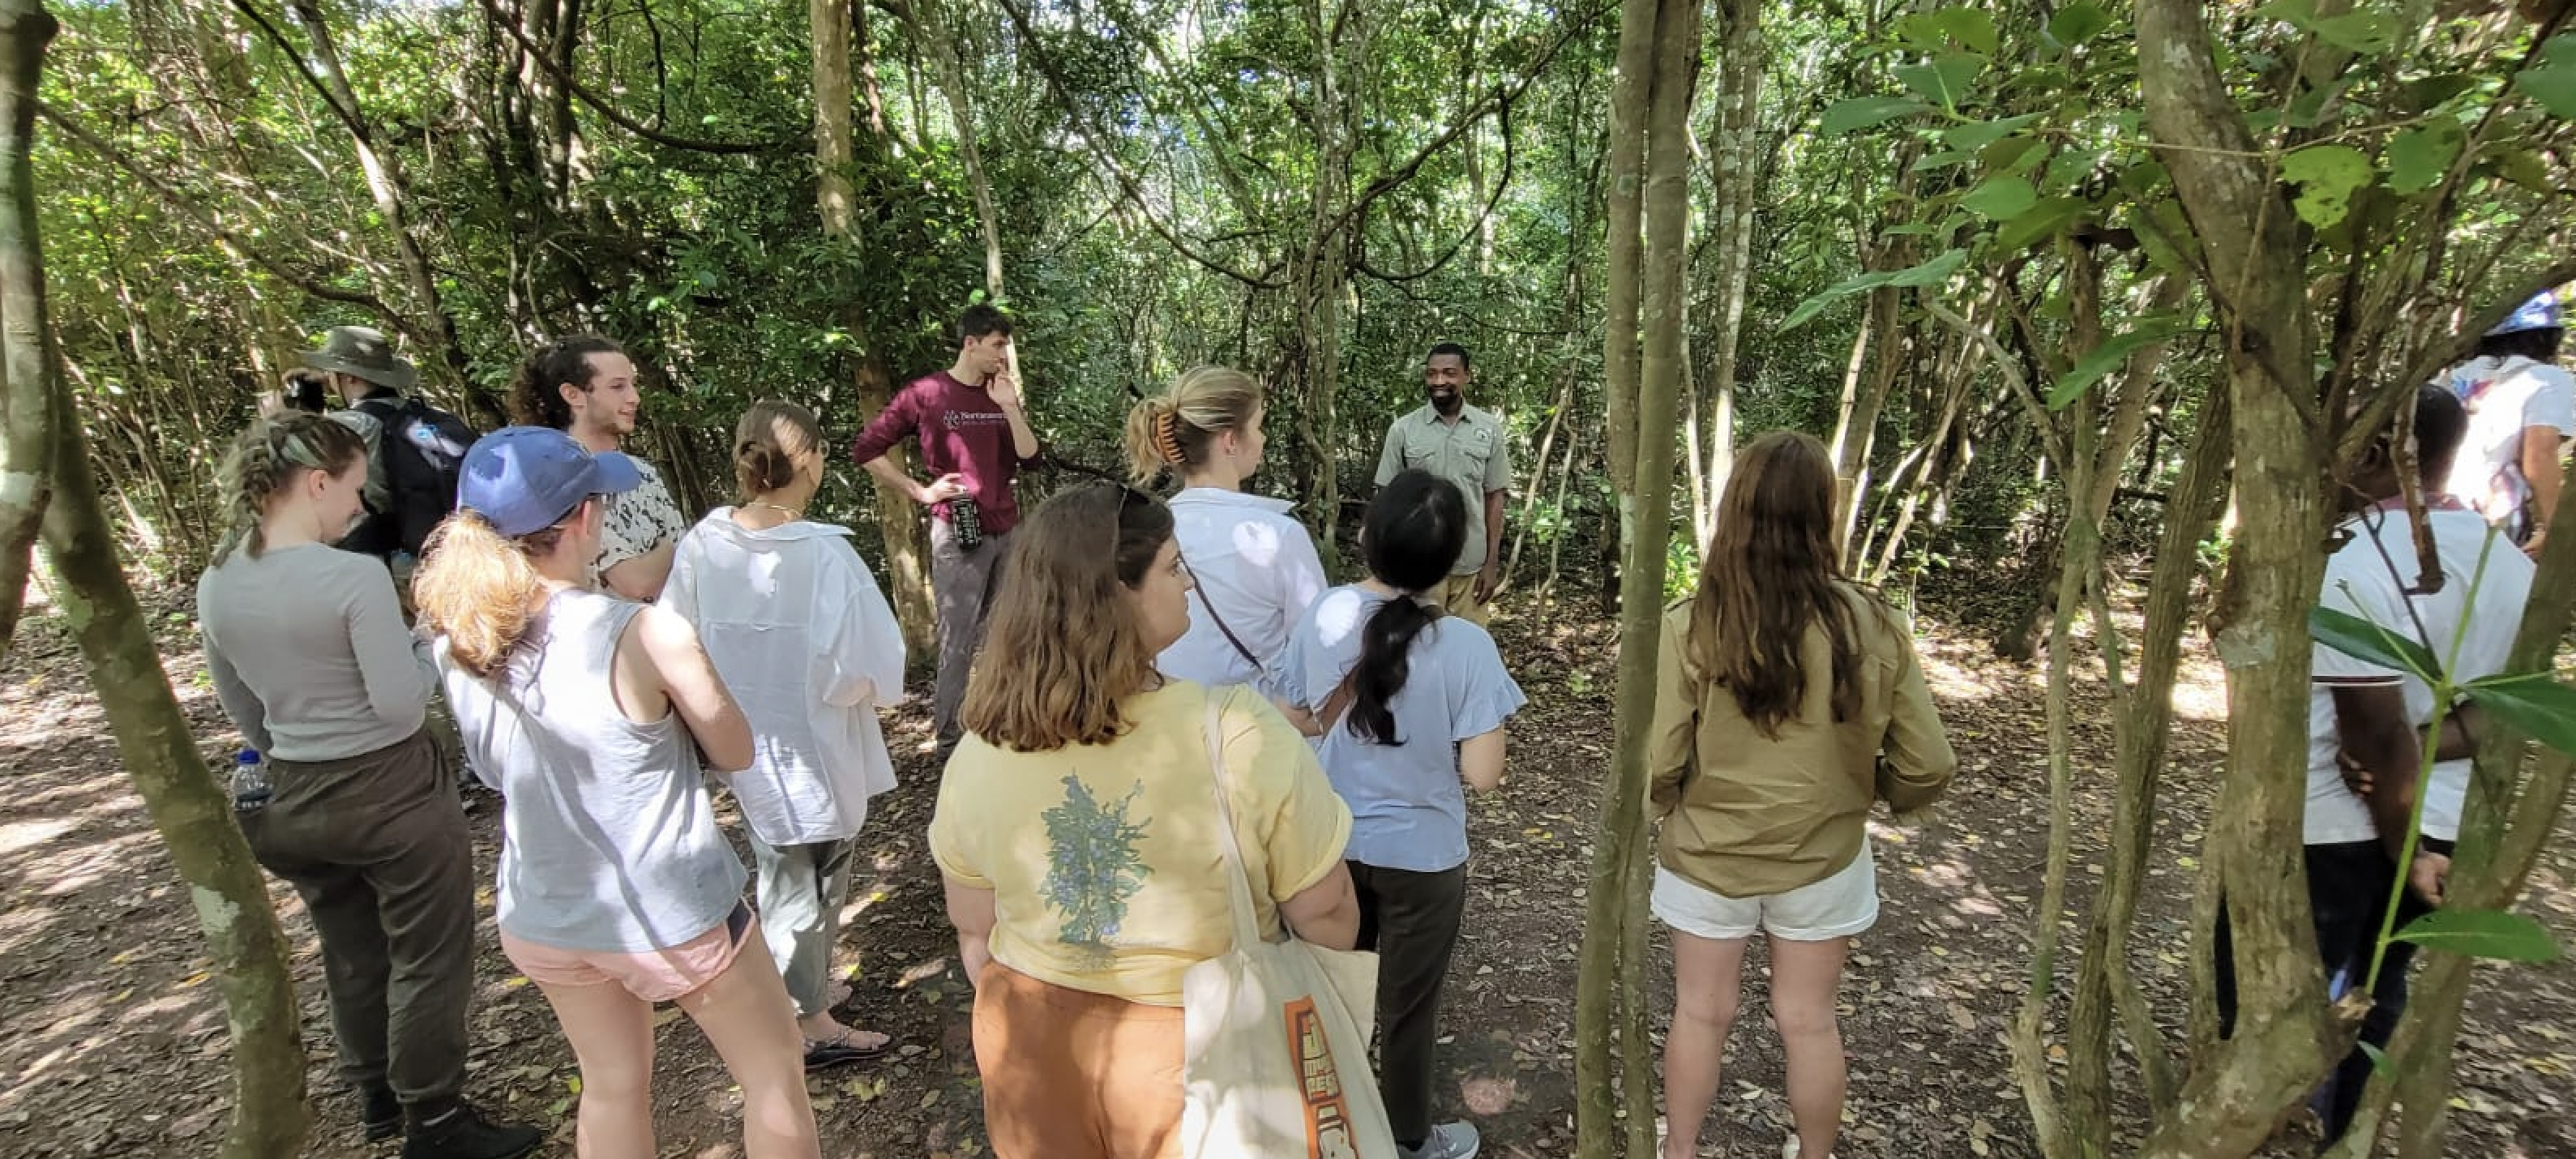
(800, 632)
(1255, 565)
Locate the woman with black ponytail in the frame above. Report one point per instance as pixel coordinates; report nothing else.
(1410, 704)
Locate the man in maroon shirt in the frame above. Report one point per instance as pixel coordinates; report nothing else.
(974, 439)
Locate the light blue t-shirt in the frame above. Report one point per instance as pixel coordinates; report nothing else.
(1408, 806)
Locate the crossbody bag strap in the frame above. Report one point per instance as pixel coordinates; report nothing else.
(1247, 926)
(1201, 588)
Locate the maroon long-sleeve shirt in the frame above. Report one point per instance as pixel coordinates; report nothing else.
(962, 431)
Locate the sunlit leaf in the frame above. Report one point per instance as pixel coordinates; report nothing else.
(2327, 176)
(2363, 640)
(2112, 354)
(2482, 933)
(1930, 273)
(2000, 198)
(2533, 702)
(2419, 158)
(1862, 112)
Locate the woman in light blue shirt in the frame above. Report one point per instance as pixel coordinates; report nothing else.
(1410, 705)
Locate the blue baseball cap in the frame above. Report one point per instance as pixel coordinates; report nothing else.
(523, 480)
(2540, 313)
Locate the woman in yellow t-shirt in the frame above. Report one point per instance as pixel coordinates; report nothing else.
(1076, 833)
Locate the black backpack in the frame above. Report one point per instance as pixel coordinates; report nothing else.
(423, 448)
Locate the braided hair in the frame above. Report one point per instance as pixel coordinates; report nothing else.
(536, 394)
(1175, 430)
(267, 458)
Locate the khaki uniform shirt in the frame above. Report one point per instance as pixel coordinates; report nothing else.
(1747, 815)
(1474, 452)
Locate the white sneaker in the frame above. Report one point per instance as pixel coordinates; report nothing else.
(1789, 1148)
(1447, 1141)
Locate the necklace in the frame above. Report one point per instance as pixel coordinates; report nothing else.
(791, 512)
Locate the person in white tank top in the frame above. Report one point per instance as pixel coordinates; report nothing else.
(617, 890)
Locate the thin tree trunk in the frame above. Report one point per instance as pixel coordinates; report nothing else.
(898, 518)
(1736, 164)
(152, 736)
(1650, 143)
(27, 399)
(951, 58)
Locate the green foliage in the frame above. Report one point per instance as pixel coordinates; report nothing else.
(2533, 702)
(2364, 640)
(2552, 79)
(2495, 934)
(2327, 176)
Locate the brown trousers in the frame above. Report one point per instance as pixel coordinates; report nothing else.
(376, 845)
(1070, 1074)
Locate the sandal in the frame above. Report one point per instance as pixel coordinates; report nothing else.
(840, 1050)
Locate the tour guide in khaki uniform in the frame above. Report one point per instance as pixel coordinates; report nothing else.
(1468, 447)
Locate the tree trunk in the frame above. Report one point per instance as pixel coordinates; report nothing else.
(951, 58)
(191, 813)
(1650, 175)
(1736, 164)
(27, 398)
(2283, 1038)
(907, 554)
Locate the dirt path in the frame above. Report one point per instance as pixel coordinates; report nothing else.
(112, 1043)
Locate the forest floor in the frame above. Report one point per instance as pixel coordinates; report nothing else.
(112, 1042)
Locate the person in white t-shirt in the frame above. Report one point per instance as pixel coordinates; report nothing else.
(1256, 566)
(798, 629)
(2366, 722)
(2522, 409)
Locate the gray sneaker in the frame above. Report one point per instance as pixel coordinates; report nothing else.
(1447, 1141)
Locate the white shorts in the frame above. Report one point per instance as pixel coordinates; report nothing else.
(1837, 907)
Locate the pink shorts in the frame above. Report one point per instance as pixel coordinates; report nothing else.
(657, 976)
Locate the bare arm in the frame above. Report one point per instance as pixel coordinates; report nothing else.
(640, 578)
(1480, 761)
(1005, 389)
(688, 680)
(971, 911)
(2540, 467)
(1326, 913)
(2371, 721)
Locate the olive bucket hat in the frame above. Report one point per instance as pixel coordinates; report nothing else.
(365, 353)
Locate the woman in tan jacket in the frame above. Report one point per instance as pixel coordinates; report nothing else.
(1787, 699)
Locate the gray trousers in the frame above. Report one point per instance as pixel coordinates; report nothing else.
(962, 584)
(801, 891)
(377, 847)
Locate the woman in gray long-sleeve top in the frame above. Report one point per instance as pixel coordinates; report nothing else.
(308, 653)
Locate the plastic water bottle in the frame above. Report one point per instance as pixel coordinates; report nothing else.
(250, 782)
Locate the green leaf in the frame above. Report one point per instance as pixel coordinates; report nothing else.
(2112, 354)
(2552, 81)
(1979, 134)
(2327, 176)
(2295, 13)
(2000, 198)
(2482, 933)
(2533, 702)
(2363, 32)
(1930, 273)
(1945, 81)
(2077, 23)
(2519, 165)
(1945, 157)
(2419, 158)
(1970, 28)
(2040, 221)
(1862, 112)
(2363, 640)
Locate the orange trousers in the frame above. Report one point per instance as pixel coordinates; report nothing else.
(1069, 1074)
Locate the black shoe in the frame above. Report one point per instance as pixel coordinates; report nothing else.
(382, 1114)
(463, 1133)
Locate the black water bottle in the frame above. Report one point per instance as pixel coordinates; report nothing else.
(966, 518)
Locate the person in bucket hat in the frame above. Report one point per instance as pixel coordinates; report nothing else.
(2522, 408)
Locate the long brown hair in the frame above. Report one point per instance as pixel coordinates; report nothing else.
(269, 456)
(1063, 650)
(481, 589)
(1174, 429)
(1772, 572)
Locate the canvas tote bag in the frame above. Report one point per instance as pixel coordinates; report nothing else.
(1276, 1033)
